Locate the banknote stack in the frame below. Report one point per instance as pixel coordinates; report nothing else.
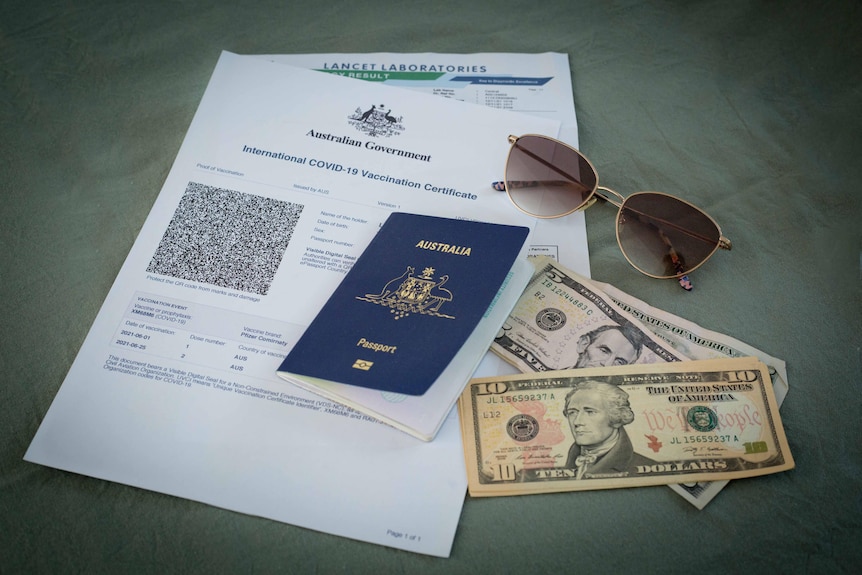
(615, 393)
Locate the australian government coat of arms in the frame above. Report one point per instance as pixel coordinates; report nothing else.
(410, 293)
(376, 121)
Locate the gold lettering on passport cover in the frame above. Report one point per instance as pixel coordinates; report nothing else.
(446, 248)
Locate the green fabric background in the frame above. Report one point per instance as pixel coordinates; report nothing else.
(751, 110)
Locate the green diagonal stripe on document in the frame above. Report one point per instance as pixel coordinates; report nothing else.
(384, 75)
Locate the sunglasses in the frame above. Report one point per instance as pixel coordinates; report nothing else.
(660, 235)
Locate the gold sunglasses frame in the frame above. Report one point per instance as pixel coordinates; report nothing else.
(616, 199)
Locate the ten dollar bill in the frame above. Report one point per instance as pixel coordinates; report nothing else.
(626, 426)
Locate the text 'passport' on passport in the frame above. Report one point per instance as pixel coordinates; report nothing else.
(408, 304)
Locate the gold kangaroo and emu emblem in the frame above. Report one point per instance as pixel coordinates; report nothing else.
(409, 293)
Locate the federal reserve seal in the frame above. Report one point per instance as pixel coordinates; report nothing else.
(550, 319)
(522, 427)
(702, 418)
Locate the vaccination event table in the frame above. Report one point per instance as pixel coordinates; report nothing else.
(750, 110)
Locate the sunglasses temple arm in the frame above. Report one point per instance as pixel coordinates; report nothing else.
(676, 261)
(723, 242)
(501, 187)
(684, 281)
(544, 162)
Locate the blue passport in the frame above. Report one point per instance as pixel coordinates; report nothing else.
(408, 304)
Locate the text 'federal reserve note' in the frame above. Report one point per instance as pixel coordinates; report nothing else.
(627, 426)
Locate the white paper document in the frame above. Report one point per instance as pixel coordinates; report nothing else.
(535, 84)
(284, 176)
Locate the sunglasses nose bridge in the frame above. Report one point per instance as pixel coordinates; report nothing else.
(610, 196)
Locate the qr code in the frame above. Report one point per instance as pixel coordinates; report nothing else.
(226, 238)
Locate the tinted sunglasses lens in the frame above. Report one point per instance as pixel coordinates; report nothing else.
(546, 178)
(652, 226)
